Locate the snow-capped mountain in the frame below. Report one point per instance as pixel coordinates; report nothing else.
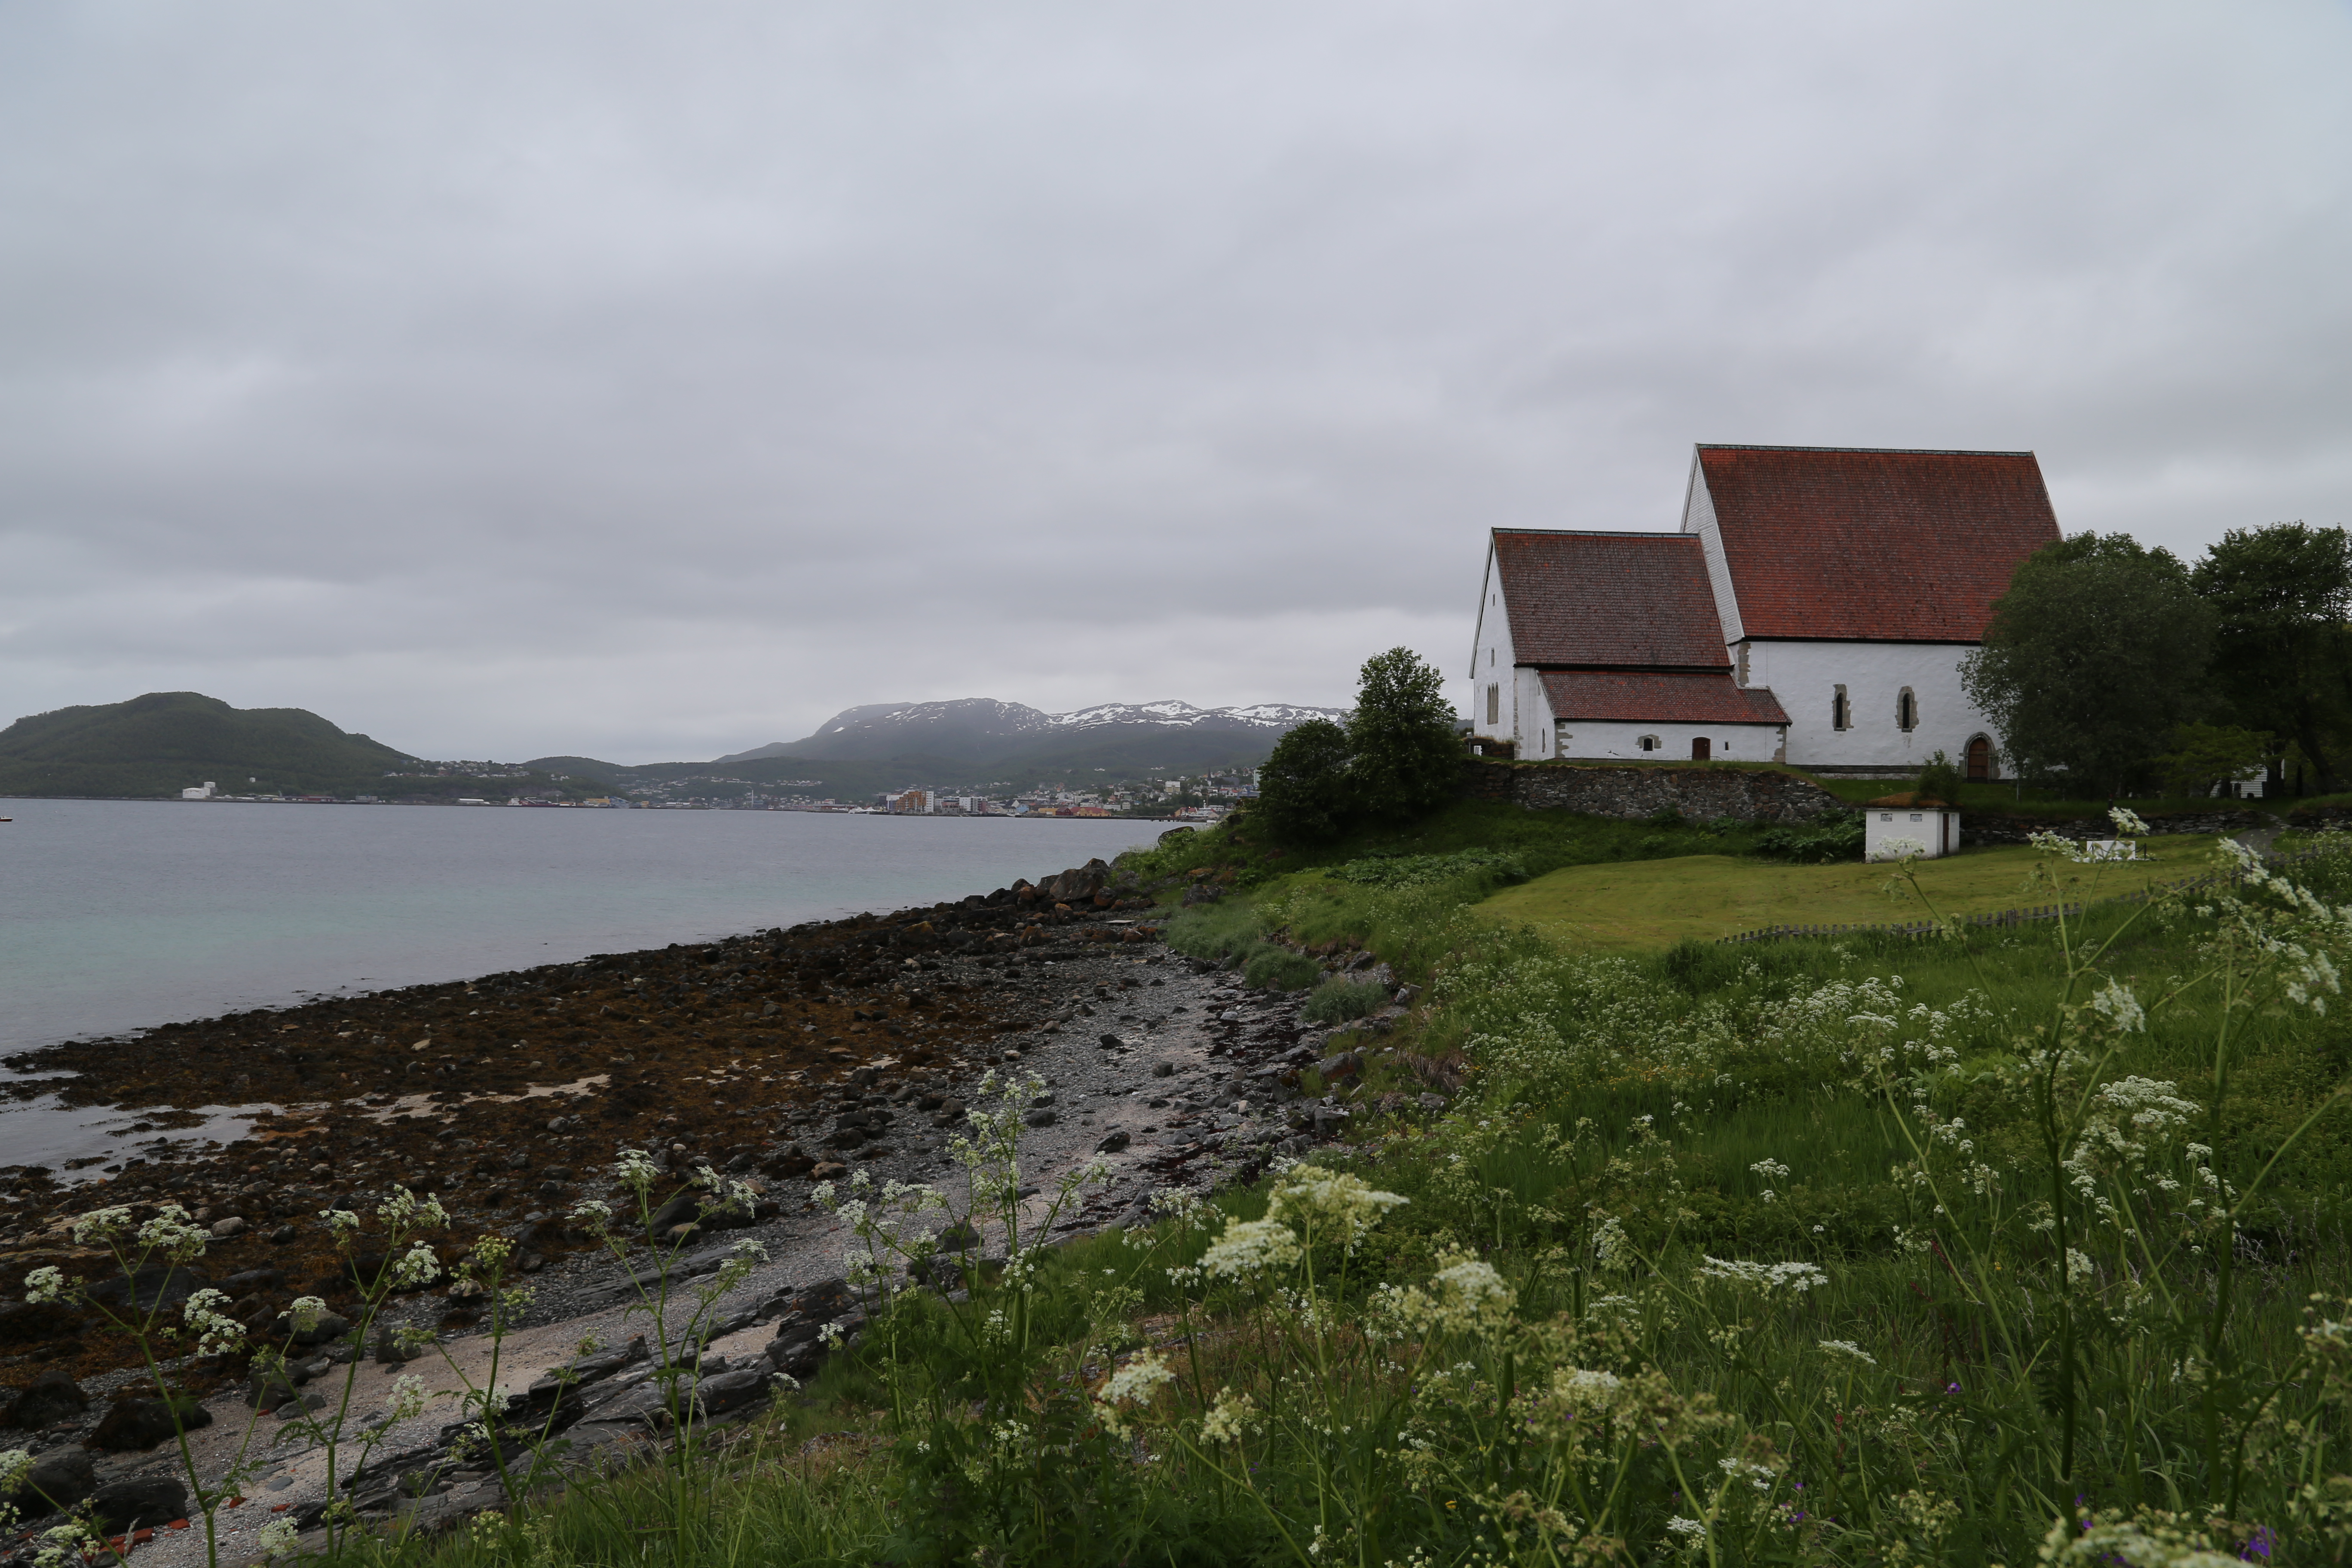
(981, 728)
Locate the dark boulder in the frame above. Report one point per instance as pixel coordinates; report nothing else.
(142, 1423)
(52, 1397)
(57, 1480)
(149, 1501)
(331, 1326)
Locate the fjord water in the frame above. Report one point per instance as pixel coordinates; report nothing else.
(118, 914)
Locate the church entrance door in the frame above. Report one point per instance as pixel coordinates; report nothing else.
(1979, 760)
(1701, 748)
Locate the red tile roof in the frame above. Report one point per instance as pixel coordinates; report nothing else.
(1638, 599)
(1839, 542)
(1634, 696)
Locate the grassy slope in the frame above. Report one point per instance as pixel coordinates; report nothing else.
(1706, 1097)
(1624, 908)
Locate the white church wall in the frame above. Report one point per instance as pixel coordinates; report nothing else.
(1595, 740)
(1494, 678)
(1805, 675)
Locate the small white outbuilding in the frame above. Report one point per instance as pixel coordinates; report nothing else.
(1895, 826)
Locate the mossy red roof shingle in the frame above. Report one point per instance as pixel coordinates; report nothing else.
(1657, 697)
(1639, 599)
(1844, 544)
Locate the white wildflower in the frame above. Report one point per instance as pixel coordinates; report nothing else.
(1329, 1205)
(1250, 1246)
(43, 1285)
(1132, 1384)
(407, 1400)
(1230, 1416)
(635, 1171)
(276, 1539)
(1770, 1277)
(2115, 1001)
(417, 1266)
(216, 1333)
(1848, 1348)
(307, 1313)
(101, 1225)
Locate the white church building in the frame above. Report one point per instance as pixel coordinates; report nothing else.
(1812, 609)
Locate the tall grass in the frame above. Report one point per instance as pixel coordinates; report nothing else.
(2003, 1246)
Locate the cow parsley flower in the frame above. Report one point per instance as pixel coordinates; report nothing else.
(277, 1538)
(1796, 1278)
(407, 1400)
(307, 1313)
(635, 1171)
(171, 1234)
(43, 1285)
(101, 1225)
(216, 1333)
(417, 1266)
(1848, 1348)
(2115, 1003)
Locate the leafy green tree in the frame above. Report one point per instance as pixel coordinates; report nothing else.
(1406, 760)
(2204, 755)
(2282, 653)
(2097, 653)
(1303, 794)
(1940, 778)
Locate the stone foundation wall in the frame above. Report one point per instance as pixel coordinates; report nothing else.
(1633, 792)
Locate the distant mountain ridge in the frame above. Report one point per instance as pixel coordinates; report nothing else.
(984, 729)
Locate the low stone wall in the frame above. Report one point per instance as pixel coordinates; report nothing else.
(1636, 792)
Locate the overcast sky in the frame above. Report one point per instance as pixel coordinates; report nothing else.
(649, 381)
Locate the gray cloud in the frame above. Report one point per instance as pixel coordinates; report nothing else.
(537, 377)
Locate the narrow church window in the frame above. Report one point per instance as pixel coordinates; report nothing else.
(1490, 658)
(1907, 711)
(1840, 717)
(1493, 704)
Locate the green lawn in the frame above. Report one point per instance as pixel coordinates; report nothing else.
(1632, 907)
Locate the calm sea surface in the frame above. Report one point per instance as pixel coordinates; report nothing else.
(117, 914)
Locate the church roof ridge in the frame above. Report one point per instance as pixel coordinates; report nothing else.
(1890, 451)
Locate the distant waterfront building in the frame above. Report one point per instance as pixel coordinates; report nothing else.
(1813, 609)
(202, 792)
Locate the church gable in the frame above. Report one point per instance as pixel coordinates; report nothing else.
(1608, 600)
(1823, 543)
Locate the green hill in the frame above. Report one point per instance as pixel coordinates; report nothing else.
(166, 742)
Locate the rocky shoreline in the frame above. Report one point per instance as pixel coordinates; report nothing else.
(783, 1057)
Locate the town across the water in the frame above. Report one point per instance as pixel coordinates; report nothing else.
(1201, 798)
